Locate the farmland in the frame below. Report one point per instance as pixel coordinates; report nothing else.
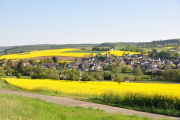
(57, 52)
(154, 96)
(120, 53)
(63, 52)
(95, 87)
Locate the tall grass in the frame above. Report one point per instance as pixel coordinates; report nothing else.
(158, 103)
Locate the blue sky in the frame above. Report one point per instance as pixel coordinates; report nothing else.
(24, 22)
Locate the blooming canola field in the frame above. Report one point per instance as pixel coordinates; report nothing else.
(60, 52)
(120, 53)
(96, 87)
(56, 52)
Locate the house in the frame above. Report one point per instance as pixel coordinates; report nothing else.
(128, 55)
(50, 65)
(26, 64)
(92, 67)
(72, 66)
(168, 62)
(177, 63)
(97, 68)
(129, 62)
(153, 65)
(85, 59)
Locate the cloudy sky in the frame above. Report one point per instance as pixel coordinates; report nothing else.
(24, 22)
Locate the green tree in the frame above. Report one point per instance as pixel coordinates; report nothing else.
(54, 59)
(2, 72)
(8, 70)
(117, 79)
(34, 62)
(20, 66)
(138, 70)
(18, 75)
(9, 63)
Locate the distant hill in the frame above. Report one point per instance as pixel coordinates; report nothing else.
(28, 48)
(166, 41)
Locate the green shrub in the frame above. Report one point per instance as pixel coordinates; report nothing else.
(18, 75)
(137, 78)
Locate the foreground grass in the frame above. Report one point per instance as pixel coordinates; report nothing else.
(15, 107)
(101, 100)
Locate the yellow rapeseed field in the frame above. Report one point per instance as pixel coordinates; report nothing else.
(57, 52)
(96, 87)
(120, 53)
(168, 47)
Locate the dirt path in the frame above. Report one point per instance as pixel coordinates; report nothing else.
(72, 102)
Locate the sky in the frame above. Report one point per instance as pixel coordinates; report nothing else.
(28, 22)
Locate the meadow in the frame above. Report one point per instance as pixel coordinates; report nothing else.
(151, 97)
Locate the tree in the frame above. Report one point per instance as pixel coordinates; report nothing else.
(108, 75)
(117, 78)
(18, 75)
(127, 69)
(153, 54)
(123, 55)
(28, 70)
(8, 70)
(85, 64)
(138, 70)
(55, 60)
(2, 73)
(63, 65)
(76, 60)
(33, 62)
(9, 62)
(20, 67)
(99, 75)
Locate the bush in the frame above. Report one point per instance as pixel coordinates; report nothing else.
(85, 77)
(63, 77)
(161, 78)
(137, 78)
(145, 77)
(118, 79)
(129, 77)
(18, 75)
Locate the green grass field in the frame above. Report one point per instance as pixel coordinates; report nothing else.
(15, 107)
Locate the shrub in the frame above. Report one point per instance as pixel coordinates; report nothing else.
(137, 78)
(63, 77)
(18, 75)
(161, 78)
(145, 77)
(129, 77)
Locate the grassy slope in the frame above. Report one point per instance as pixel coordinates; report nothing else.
(15, 107)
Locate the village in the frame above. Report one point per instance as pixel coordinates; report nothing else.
(86, 65)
